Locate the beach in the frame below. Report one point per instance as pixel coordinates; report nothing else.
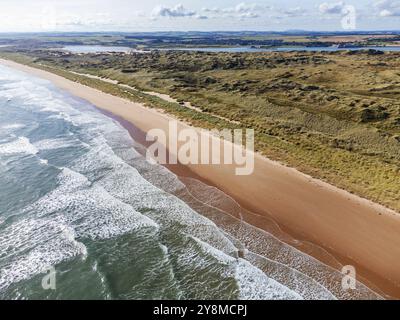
(354, 230)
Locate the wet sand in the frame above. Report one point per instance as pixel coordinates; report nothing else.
(356, 231)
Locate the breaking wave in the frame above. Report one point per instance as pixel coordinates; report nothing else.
(95, 209)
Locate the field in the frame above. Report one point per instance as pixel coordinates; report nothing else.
(335, 116)
(200, 39)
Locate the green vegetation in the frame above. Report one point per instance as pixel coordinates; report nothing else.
(335, 115)
(153, 40)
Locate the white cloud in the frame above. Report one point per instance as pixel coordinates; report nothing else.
(244, 8)
(388, 8)
(242, 11)
(172, 12)
(293, 12)
(332, 8)
(211, 10)
(251, 10)
(201, 17)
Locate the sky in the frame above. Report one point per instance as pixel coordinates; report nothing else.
(199, 15)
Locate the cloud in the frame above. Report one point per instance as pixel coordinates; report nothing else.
(211, 10)
(332, 8)
(242, 11)
(347, 14)
(293, 12)
(388, 8)
(248, 15)
(251, 10)
(178, 11)
(201, 17)
(244, 8)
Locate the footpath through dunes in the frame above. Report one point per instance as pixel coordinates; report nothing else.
(320, 213)
(162, 96)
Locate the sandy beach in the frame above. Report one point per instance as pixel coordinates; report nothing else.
(354, 230)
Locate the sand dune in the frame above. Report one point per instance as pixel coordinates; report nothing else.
(356, 230)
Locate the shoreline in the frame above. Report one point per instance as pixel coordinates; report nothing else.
(258, 221)
(355, 230)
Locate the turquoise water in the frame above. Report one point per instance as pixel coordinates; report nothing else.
(284, 49)
(77, 195)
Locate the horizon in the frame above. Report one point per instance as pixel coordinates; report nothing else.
(207, 16)
(207, 151)
(283, 32)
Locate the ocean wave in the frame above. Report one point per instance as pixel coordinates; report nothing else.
(286, 264)
(56, 143)
(89, 209)
(125, 183)
(192, 238)
(30, 246)
(20, 145)
(13, 126)
(253, 284)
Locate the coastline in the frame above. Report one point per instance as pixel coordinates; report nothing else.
(355, 230)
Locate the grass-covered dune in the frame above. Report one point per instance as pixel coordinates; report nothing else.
(334, 115)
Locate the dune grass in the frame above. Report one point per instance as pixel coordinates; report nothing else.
(335, 116)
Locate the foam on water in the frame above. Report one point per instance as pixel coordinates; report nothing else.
(12, 126)
(44, 161)
(108, 197)
(255, 285)
(126, 184)
(50, 144)
(252, 282)
(30, 246)
(20, 145)
(92, 211)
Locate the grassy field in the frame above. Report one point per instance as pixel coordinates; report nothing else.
(335, 116)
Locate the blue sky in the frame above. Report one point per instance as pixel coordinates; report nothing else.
(183, 15)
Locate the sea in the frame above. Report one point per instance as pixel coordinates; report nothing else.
(80, 203)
